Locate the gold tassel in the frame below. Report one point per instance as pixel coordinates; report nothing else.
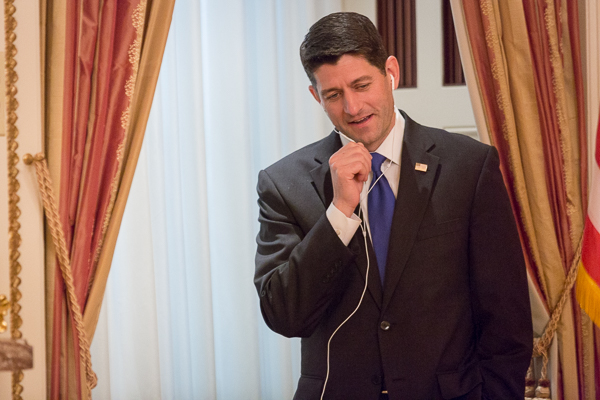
(529, 383)
(543, 389)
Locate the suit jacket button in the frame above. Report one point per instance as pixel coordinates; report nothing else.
(384, 325)
(263, 293)
(376, 379)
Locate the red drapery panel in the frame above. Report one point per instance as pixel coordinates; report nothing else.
(495, 118)
(453, 70)
(550, 115)
(548, 60)
(396, 22)
(101, 56)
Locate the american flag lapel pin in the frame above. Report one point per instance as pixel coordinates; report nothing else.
(421, 167)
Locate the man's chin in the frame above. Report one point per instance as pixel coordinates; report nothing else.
(365, 138)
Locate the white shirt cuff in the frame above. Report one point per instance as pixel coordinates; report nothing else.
(344, 227)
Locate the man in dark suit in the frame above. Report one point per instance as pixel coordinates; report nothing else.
(436, 306)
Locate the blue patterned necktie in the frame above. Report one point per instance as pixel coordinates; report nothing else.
(381, 210)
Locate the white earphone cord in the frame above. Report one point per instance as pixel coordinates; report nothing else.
(364, 231)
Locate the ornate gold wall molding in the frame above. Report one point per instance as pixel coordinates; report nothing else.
(14, 237)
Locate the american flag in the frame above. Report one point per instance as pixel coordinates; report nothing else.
(588, 278)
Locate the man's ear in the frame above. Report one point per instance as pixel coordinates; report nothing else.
(392, 68)
(315, 94)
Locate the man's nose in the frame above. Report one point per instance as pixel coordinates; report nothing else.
(352, 103)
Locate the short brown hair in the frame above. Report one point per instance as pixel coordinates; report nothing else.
(341, 33)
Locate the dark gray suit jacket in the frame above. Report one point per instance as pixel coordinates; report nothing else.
(453, 318)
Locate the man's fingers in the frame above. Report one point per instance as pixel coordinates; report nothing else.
(362, 177)
(349, 155)
(351, 170)
(350, 167)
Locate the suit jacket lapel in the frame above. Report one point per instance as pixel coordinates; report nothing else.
(321, 175)
(414, 192)
(321, 179)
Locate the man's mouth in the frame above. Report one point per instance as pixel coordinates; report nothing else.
(361, 120)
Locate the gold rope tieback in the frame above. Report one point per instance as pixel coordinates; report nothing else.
(52, 217)
(542, 344)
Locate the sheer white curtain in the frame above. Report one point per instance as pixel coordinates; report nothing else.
(180, 317)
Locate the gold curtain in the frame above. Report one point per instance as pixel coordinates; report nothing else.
(153, 35)
(525, 76)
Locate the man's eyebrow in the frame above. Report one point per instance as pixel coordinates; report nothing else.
(360, 79)
(354, 82)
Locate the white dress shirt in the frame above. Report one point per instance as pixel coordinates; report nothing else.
(391, 148)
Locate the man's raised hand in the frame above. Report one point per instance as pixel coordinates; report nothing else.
(350, 167)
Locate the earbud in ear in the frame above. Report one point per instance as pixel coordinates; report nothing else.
(392, 82)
